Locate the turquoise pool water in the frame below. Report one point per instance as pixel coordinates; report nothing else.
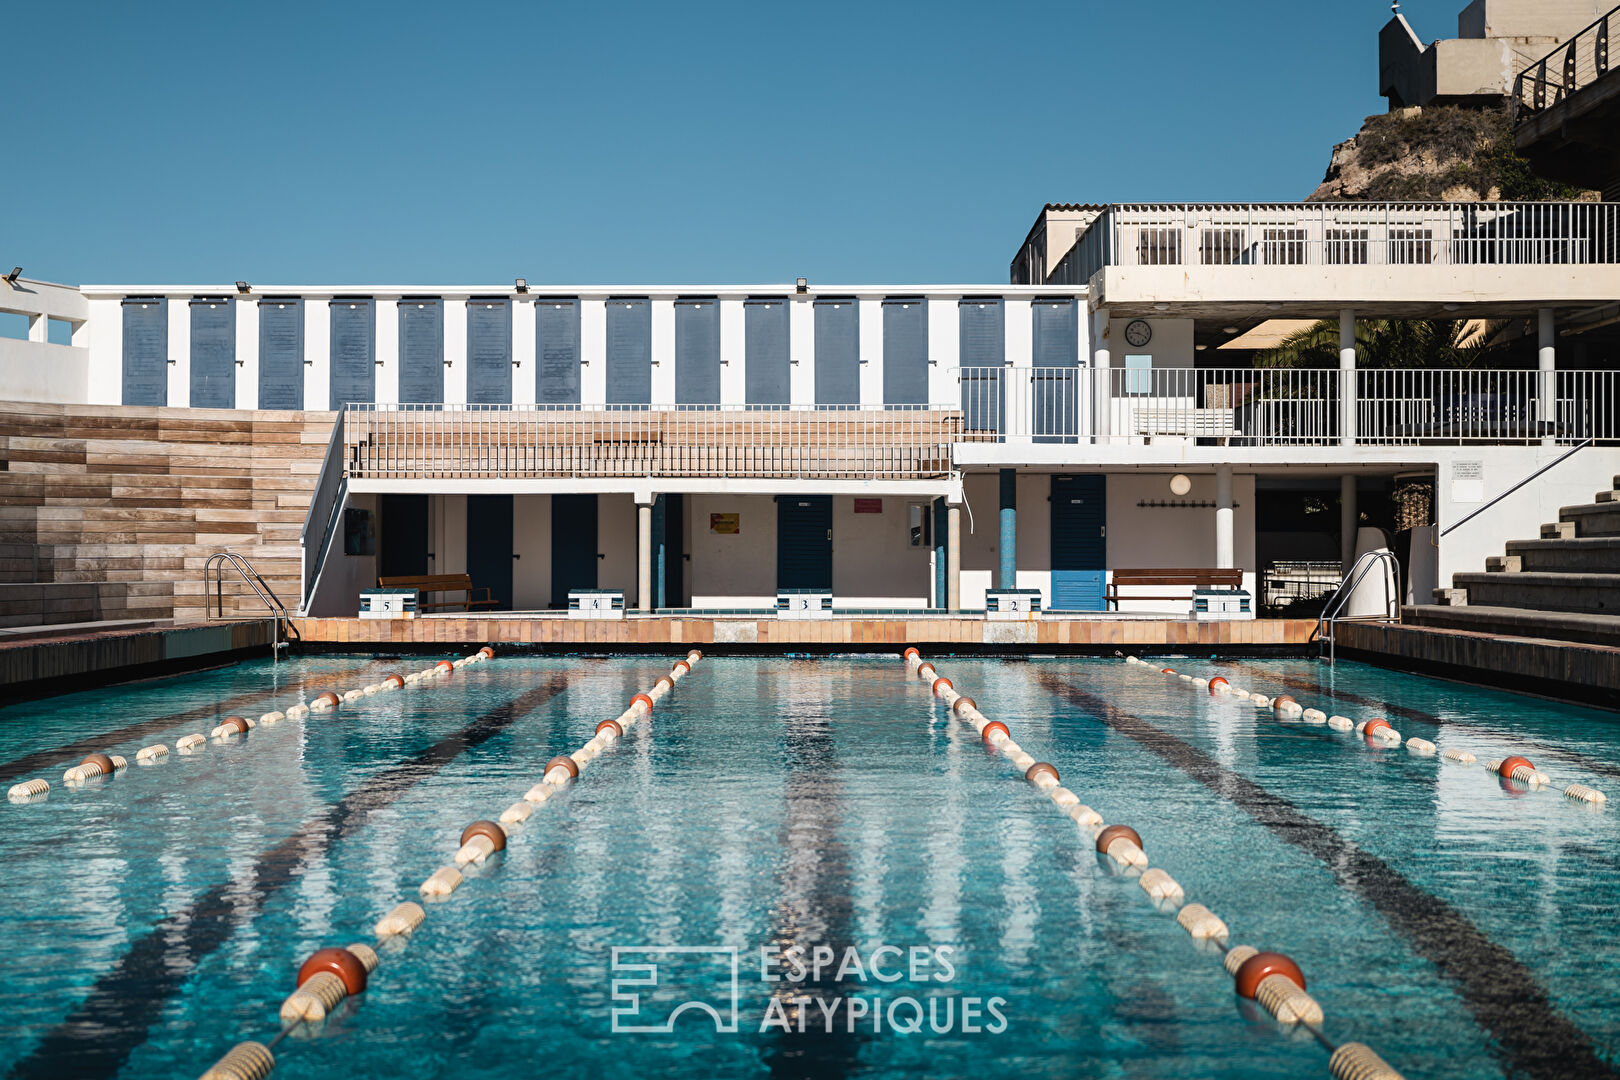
(1460, 926)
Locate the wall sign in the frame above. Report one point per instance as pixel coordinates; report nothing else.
(726, 524)
(1468, 481)
(869, 506)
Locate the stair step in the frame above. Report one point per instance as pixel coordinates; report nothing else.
(1520, 622)
(1586, 553)
(1451, 597)
(1558, 530)
(1595, 593)
(1608, 496)
(1503, 564)
(1592, 519)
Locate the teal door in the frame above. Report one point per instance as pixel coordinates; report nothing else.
(1079, 543)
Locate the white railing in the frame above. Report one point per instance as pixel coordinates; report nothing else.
(545, 441)
(320, 524)
(1347, 234)
(1288, 406)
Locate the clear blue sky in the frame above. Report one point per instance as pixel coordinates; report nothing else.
(169, 143)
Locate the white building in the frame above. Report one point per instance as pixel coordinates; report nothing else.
(907, 447)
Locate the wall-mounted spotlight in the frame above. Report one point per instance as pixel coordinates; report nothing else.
(521, 284)
(243, 287)
(802, 285)
(11, 278)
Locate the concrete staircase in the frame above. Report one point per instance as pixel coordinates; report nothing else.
(1563, 586)
(109, 512)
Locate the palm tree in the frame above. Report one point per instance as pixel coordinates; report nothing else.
(1389, 343)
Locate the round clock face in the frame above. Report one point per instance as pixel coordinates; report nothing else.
(1138, 333)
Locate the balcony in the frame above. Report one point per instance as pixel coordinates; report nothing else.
(1246, 407)
(551, 442)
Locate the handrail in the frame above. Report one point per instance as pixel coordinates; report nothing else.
(1570, 70)
(1571, 452)
(214, 568)
(1331, 613)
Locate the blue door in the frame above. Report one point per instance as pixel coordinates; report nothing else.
(905, 352)
(281, 354)
(838, 352)
(353, 348)
(402, 542)
(489, 546)
(421, 351)
(489, 352)
(1079, 542)
(573, 545)
(629, 353)
(1055, 347)
(146, 351)
(697, 352)
(213, 353)
(765, 352)
(804, 541)
(556, 352)
(981, 355)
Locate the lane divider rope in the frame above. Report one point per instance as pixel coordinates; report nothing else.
(1271, 979)
(332, 974)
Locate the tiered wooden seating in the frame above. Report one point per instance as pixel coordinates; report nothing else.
(143, 496)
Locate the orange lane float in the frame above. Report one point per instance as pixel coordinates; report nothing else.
(1042, 768)
(1258, 967)
(324, 701)
(564, 762)
(642, 698)
(611, 725)
(963, 703)
(683, 665)
(1218, 680)
(942, 682)
(348, 967)
(487, 653)
(444, 665)
(394, 680)
(1107, 836)
(496, 834)
(911, 654)
(992, 726)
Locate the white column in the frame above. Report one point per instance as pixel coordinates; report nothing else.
(593, 350)
(1349, 521)
(39, 327)
(455, 350)
(644, 553)
(1547, 357)
(385, 364)
(1223, 517)
(944, 348)
(1347, 377)
(801, 351)
(247, 352)
(871, 339)
(953, 557)
(318, 354)
(179, 351)
(663, 351)
(1101, 387)
(524, 364)
(733, 351)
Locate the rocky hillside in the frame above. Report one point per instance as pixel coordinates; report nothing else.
(1444, 152)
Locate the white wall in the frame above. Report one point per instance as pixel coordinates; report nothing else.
(447, 534)
(386, 373)
(732, 570)
(871, 339)
(105, 371)
(318, 354)
(1171, 345)
(1148, 537)
(981, 547)
(247, 352)
(39, 371)
(455, 350)
(733, 343)
(617, 541)
(523, 345)
(531, 541)
(179, 352)
(663, 356)
(874, 564)
(343, 576)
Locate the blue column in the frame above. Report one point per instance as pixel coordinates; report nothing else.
(940, 528)
(659, 547)
(1009, 529)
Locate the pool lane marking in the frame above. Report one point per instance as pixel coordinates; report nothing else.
(560, 773)
(1287, 1000)
(1529, 1032)
(117, 1014)
(54, 756)
(1572, 758)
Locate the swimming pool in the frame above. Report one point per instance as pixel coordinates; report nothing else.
(1458, 923)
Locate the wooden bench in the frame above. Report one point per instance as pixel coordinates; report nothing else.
(439, 583)
(1226, 579)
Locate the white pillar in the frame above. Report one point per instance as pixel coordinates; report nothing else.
(953, 557)
(644, 578)
(1102, 422)
(1349, 521)
(1547, 355)
(1223, 517)
(1347, 377)
(39, 328)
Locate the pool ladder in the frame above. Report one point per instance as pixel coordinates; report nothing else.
(1358, 571)
(214, 598)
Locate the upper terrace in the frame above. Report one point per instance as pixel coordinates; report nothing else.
(1313, 260)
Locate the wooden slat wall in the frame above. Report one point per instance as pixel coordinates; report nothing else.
(145, 495)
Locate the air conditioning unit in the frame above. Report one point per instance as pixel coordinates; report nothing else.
(1009, 604)
(804, 603)
(596, 603)
(381, 603)
(1210, 605)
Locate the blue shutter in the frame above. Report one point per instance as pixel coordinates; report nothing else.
(281, 354)
(354, 346)
(905, 352)
(556, 349)
(981, 354)
(146, 351)
(1055, 348)
(838, 352)
(421, 351)
(629, 352)
(489, 352)
(213, 353)
(697, 352)
(765, 351)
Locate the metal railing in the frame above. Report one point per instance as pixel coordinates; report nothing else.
(541, 441)
(1358, 571)
(1288, 406)
(1577, 63)
(1499, 496)
(320, 524)
(214, 598)
(1346, 234)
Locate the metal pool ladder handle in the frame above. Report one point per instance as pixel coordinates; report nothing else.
(1359, 570)
(214, 570)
